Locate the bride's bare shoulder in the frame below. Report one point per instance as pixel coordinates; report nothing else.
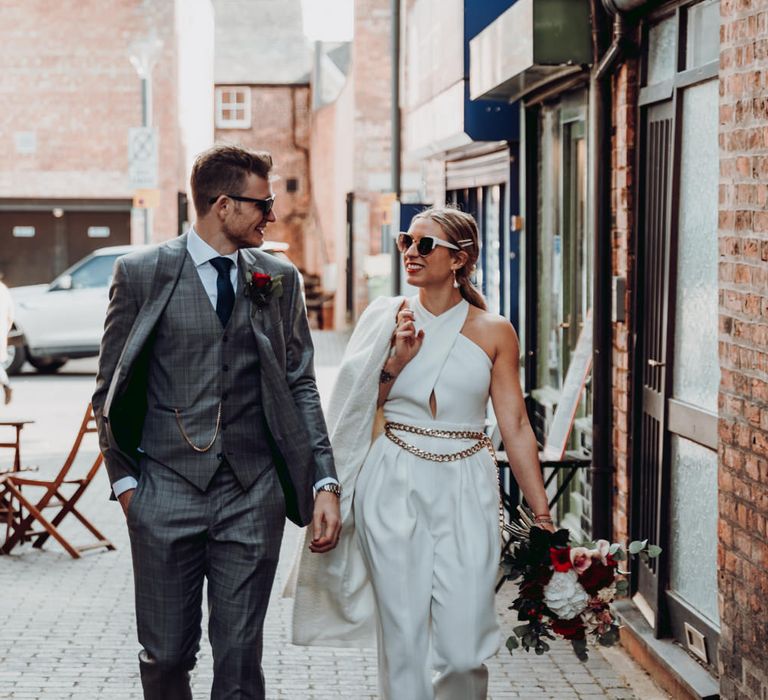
(489, 322)
(492, 332)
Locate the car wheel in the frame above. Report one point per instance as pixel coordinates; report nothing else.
(16, 356)
(46, 365)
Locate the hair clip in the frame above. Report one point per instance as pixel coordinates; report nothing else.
(465, 242)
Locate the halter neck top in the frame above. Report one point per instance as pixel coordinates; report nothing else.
(449, 364)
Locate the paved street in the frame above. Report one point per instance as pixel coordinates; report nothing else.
(68, 626)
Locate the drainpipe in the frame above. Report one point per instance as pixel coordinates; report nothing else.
(395, 118)
(602, 414)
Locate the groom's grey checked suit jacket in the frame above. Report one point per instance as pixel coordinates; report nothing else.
(296, 437)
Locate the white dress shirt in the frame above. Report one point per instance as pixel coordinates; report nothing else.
(201, 254)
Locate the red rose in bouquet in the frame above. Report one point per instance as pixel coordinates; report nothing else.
(598, 576)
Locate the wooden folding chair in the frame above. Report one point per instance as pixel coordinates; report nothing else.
(27, 513)
(8, 509)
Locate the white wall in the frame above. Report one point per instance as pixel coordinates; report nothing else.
(195, 35)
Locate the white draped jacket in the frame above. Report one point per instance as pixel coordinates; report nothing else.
(333, 599)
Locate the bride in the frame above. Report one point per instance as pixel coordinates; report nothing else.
(419, 550)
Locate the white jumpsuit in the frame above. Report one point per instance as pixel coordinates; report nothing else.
(429, 530)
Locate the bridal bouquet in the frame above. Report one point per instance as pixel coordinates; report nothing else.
(565, 588)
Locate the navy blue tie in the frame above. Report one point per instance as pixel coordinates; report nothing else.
(225, 294)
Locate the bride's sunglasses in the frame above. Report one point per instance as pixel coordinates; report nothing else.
(426, 244)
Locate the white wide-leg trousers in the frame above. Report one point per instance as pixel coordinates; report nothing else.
(429, 533)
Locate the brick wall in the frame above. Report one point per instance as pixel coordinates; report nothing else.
(280, 125)
(743, 300)
(622, 207)
(371, 70)
(68, 76)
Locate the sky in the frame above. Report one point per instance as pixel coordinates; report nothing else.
(328, 20)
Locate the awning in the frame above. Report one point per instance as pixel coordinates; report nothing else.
(533, 42)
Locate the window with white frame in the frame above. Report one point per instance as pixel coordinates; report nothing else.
(233, 108)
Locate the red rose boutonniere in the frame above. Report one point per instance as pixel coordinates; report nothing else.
(261, 288)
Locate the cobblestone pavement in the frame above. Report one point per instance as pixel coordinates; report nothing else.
(68, 626)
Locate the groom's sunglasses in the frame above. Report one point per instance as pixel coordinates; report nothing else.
(426, 244)
(264, 204)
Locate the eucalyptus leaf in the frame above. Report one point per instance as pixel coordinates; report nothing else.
(654, 550)
(521, 630)
(615, 547)
(512, 644)
(636, 547)
(620, 555)
(539, 651)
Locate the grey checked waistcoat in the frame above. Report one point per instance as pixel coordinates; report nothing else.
(193, 365)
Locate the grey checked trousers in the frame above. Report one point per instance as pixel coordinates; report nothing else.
(181, 536)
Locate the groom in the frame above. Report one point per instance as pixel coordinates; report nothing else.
(211, 428)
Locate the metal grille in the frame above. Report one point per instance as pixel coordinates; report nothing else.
(647, 483)
(659, 145)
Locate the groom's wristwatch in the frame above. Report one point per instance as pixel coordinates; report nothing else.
(331, 488)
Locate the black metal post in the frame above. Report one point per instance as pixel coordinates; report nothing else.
(602, 469)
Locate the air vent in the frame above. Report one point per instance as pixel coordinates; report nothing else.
(696, 643)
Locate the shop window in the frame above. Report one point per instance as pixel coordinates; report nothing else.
(702, 34)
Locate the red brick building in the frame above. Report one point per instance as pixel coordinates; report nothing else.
(743, 335)
(64, 164)
(263, 101)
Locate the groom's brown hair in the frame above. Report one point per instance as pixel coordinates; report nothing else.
(223, 170)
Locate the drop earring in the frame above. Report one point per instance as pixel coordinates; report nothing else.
(455, 281)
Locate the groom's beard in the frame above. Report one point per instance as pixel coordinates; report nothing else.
(246, 236)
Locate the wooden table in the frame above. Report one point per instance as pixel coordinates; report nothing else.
(18, 426)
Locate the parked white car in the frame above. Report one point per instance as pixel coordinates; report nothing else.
(64, 320)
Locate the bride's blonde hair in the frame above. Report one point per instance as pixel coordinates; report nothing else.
(460, 226)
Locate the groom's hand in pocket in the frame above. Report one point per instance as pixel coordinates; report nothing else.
(326, 523)
(125, 499)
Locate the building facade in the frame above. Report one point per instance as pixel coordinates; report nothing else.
(263, 102)
(742, 557)
(643, 202)
(466, 150)
(351, 143)
(65, 170)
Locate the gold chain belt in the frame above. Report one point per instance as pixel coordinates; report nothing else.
(483, 441)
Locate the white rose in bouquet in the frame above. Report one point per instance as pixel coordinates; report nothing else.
(607, 594)
(564, 595)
